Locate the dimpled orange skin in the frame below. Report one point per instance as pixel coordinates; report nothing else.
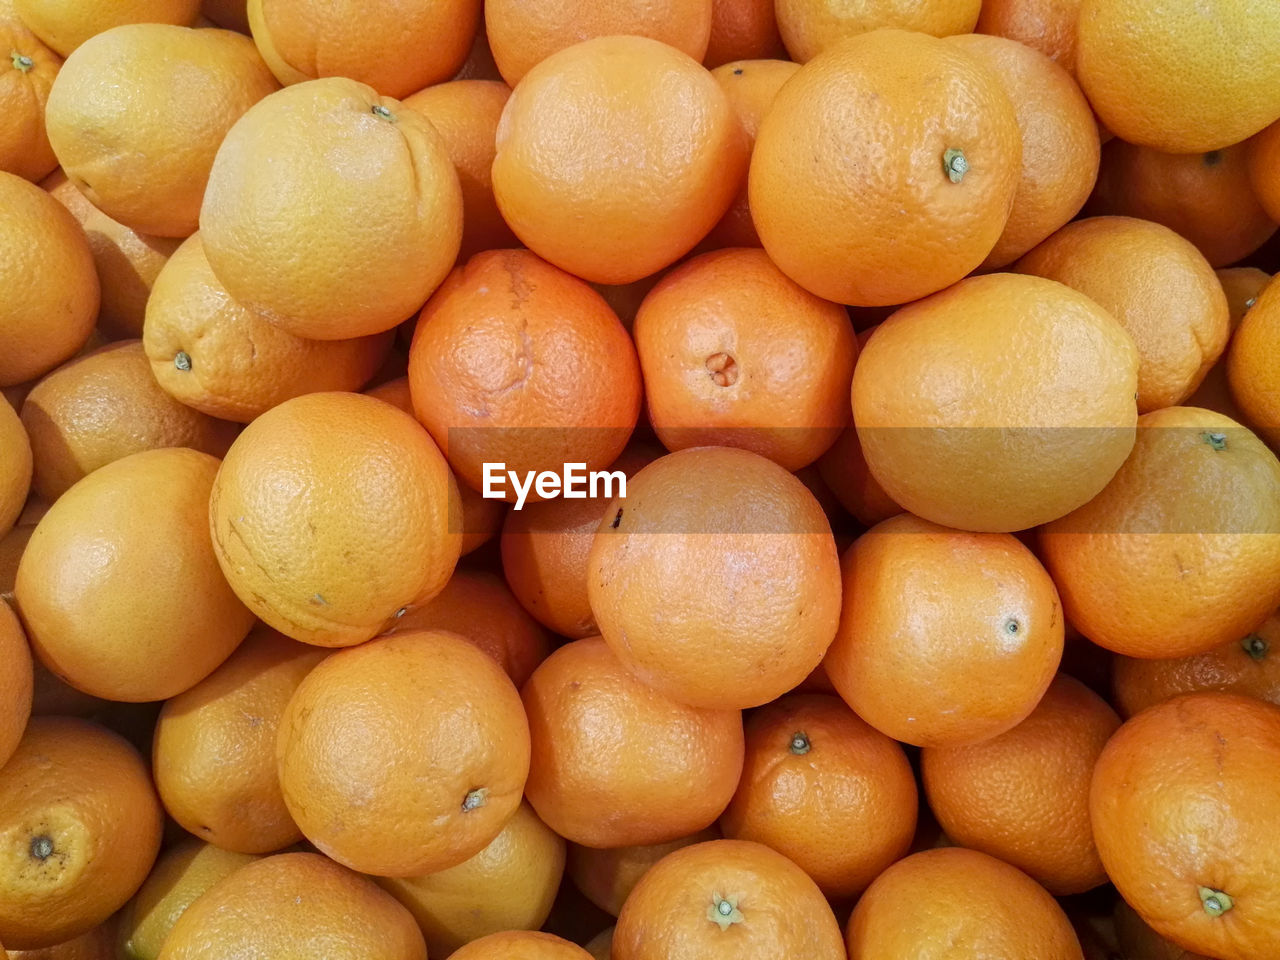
(1137, 940)
(742, 30)
(617, 764)
(332, 211)
(809, 27)
(24, 89)
(1264, 169)
(404, 756)
(565, 189)
(1019, 407)
(86, 791)
(395, 49)
(991, 908)
(1157, 284)
(1253, 365)
(15, 466)
(1183, 798)
(523, 34)
(1045, 25)
(16, 682)
(904, 99)
(295, 904)
(119, 587)
(520, 945)
(363, 462)
(844, 470)
(737, 556)
(515, 361)
(1060, 147)
(1181, 552)
(735, 353)
(1159, 71)
(65, 24)
(972, 652)
(827, 790)
(775, 910)
(1023, 796)
(97, 944)
(607, 877)
(238, 364)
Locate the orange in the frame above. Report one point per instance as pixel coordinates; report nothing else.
(214, 753)
(1205, 197)
(724, 899)
(102, 407)
(958, 434)
(844, 469)
(119, 587)
(477, 605)
(15, 467)
(222, 358)
(1242, 286)
(809, 27)
(1181, 552)
(1191, 852)
(983, 903)
(1140, 942)
(79, 829)
(1253, 365)
(65, 24)
(1060, 149)
(1160, 288)
(948, 156)
(53, 697)
(465, 113)
(16, 682)
(1159, 71)
(1023, 796)
(1264, 169)
(127, 262)
(520, 945)
(662, 164)
(734, 353)
(395, 49)
(47, 271)
(97, 944)
(1045, 25)
(751, 86)
(231, 14)
(822, 787)
(136, 138)
(295, 904)
(377, 534)
(479, 63)
(606, 877)
(24, 88)
(946, 637)
(617, 764)
(523, 34)
(742, 30)
(404, 756)
(12, 546)
(509, 885)
(183, 872)
(332, 211)
(716, 579)
(515, 362)
(1248, 666)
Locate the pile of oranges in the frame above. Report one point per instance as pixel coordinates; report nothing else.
(930, 351)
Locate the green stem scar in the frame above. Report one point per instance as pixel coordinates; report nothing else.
(724, 912)
(380, 111)
(182, 360)
(954, 165)
(1215, 902)
(1255, 646)
(1216, 440)
(800, 744)
(21, 61)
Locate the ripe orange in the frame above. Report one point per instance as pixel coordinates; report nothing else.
(47, 271)
(105, 406)
(1264, 169)
(609, 213)
(81, 827)
(606, 877)
(1181, 552)
(1140, 942)
(945, 174)
(617, 764)
(332, 211)
(219, 357)
(509, 885)
(516, 362)
(65, 24)
(844, 469)
(377, 534)
(395, 49)
(97, 944)
(1184, 807)
(1248, 666)
(716, 579)
(465, 113)
(16, 682)
(809, 27)
(520, 945)
(1253, 365)
(822, 787)
(1159, 71)
(988, 906)
(1023, 796)
(24, 88)
(522, 35)
(1060, 149)
(295, 904)
(1242, 286)
(946, 637)
(726, 899)
(12, 545)
(404, 756)
(119, 587)
(742, 30)
(15, 466)
(1045, 25)
(957, 434)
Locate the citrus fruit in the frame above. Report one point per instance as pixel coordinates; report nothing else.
(809, 27)
(742, 30)
(231, 14)
(1045, 25)
(24, 89)
(15, 466)
(65, 24)
(16, 682)
(844, 469)
(97, 944)
(12, 546)
(1264, 169)
(1253, 365)
(1139, 941)
(520, 945)
(607, 876)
